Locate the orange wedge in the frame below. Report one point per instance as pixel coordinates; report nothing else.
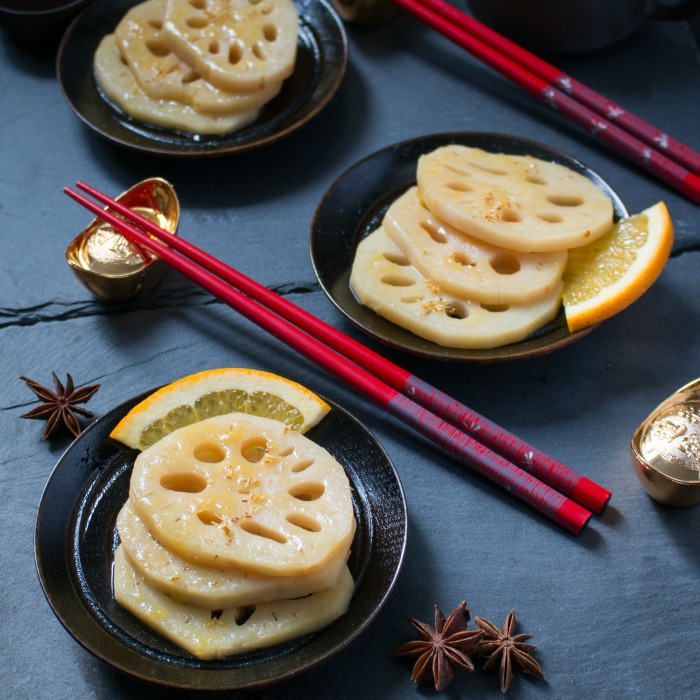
(607, 275)
(216, 392)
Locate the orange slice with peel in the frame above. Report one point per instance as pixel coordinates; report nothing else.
(217, 392)
(607, 275)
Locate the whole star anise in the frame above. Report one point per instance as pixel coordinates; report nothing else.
(442, 648)
(508, 649)
(59, 408)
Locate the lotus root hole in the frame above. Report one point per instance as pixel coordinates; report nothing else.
(462, 259)
(214, 47)
(307, 491)
(198, 4)
(286, 451)
(564, 200)
(535, 179)
(397, 281)
(235, 54)
(157, 48)
(254, 449)
(184, 482)
(156, 24)
(495, 308)
(411, 300)
(252, 527)
(459, 186)
(435, 232)
(305, 522)
(511, 215)
(505, 264)
(270, 31)
(254, 2)
(493, 171)
(196, 22)
(208, 517)
(456, 310)
(396, 259)
(551, 218)
(209, 452)
(243, 614)
(302, 465)
(258, 51)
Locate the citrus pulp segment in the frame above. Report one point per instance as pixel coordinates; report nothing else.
(607, 275)
(217, 392)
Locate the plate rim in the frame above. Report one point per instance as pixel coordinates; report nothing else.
(153, 146)
(204, 679)
(433, 351)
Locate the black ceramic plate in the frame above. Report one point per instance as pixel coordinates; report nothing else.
(76, 538)
(355, 205)
(319, 70)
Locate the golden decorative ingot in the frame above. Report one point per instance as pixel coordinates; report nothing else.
(666, 449)
(111, 267)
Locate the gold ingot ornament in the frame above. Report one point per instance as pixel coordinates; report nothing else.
(666, 449)
(111, 267)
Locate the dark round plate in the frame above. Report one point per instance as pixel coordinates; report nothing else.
(76, 538)
(355, 205)
(319, 70)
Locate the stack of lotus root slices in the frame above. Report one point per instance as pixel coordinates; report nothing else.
(235, 536)
(473, 256)
(198, 66)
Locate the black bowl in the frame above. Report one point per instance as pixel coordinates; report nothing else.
(38, 20)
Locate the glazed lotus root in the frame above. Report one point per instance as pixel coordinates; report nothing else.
(239, 491)
(383, 279)
(234, 44)
(466, 266)
(164, 76)
(213, 634)
(516, 202)
(119, 85)
(207, 587)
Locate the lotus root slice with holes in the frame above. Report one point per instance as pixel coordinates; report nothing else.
(383, 279)
(213, 634)
(118, 84)
(207, 587)
(244, 492)
(466, 266)
(162, 75)
(235, 44)
(515, 202)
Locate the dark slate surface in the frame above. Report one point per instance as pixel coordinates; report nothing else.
(614, 612)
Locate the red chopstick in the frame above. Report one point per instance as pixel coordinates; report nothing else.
(528, 488)
(550, 86)
(581, 489)
(644, 131)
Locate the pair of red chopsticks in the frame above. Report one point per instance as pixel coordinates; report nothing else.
(542, 482)
(645, 145)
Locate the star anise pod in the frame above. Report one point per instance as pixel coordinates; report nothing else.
(59, 408)
(508, 649)
(441, 648)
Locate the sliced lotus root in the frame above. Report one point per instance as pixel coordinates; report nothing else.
(163, 76)
(118, 84)
(466, 266)
(213, 634)
(383, 279)
(515, 202)
(207, 587)
(244, 492)
(235, 44)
